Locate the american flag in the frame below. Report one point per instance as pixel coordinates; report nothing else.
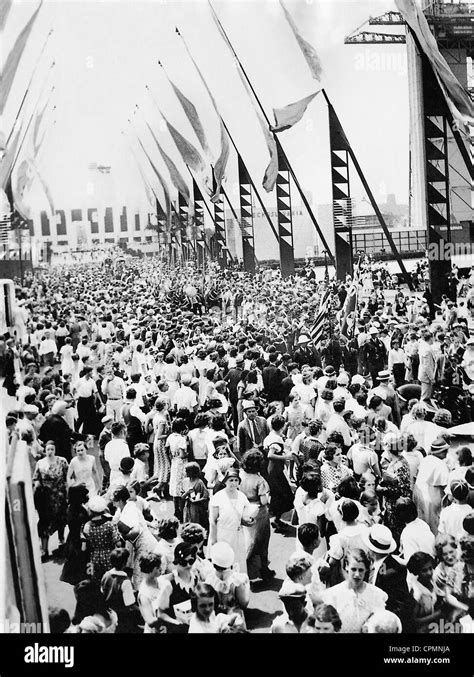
(317, 330)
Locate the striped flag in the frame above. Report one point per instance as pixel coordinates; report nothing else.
(350, 305)
(317, 330)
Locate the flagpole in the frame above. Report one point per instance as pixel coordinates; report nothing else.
(28, 127)
(373, 202)
(279, 146)
(31, 82)
(171, 202)
(264, 209)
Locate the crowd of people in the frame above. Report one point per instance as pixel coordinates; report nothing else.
(134, 385)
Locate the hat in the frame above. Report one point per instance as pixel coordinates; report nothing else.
(379, 539)
(222, 555)
(97, 504)
(59, 408)
(239, 359)
(439, 446)
(329, 371)
(373, 330)
(31, 409)
(343, 379)
(383, 375)
(106, 419)
(126, 464)
(358, 379)
(304, 338)
(186, 379)
(232, 472)
(248, 404)
(292, 589)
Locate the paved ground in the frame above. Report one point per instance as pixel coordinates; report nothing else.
(264, 603)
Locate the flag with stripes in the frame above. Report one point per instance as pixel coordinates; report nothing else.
(317, 330)
(350, 305)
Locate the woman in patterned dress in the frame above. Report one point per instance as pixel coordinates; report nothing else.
(161, 460)
(49, 483)
(333, 470)
(395, 482)
(102, 536)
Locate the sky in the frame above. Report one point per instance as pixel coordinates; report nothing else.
(107, 52)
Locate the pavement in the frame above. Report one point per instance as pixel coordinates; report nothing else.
(264, 602)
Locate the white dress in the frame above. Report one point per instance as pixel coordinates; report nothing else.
(67, 363)
(229, 523)
(354, 608)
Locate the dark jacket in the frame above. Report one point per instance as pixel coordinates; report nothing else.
(233, 378)
(272, 378)
(392, 579)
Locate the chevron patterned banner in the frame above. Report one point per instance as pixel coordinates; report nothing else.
(341, 199)
(285, 218)
(246, 217)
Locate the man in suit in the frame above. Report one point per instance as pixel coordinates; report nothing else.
(252, 430)
(272, 378)
(305, 354)
(389, 573)
(232, 378)
(427, 368)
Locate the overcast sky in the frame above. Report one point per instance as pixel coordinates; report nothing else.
(106, 52)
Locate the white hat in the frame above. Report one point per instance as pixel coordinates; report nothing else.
(304, 338)
(222, 555)
(379, 539)
(291, 589)
(383, 375)
(248, 404)
(31, 409)
(97, 504)
(59, 407)
(358, 379)
(373, 330)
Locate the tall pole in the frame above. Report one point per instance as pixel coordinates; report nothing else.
(372, 200)
(279, 147)
(29, 85)
(264, 209)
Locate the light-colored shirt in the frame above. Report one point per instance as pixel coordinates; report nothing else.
(114, 451)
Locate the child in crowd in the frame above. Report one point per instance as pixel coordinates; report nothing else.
(117, 589)
(196, 496)
(427, 612)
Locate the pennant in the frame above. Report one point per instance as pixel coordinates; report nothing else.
(188, 152)
(219, 169)
(176, 179)
(193, 117)
(160, 179)
(5, 6)
(39, 119)
(309, 53)
(22, 186)
(271, 171)
(291, 114)
(8, 159)
(221, 164)
(456, 96)
(13, 59)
